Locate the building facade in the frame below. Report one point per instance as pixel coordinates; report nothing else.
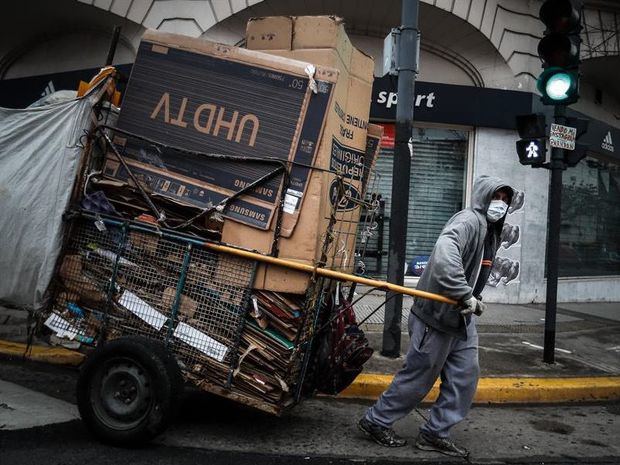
(478, 70)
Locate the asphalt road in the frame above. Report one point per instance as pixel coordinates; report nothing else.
(319, 431)
(69, 444)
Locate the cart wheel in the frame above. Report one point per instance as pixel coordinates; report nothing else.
(128, 389)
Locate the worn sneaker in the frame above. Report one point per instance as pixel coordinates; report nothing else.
(381, 435)
(427, 441)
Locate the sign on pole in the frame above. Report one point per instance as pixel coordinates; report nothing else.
(562, 137)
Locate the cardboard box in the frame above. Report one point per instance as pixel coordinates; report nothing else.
(144, 242)
(212, 98)
(295, 33)
(187, 306)
(373, 140)
(273, 33)
(286, 280)
(189, 190)
(321, 41)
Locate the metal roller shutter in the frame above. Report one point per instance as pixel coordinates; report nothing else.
(435, 189)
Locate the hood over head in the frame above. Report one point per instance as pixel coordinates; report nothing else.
(484, 188)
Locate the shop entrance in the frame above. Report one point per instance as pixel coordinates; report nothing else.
(436, 192)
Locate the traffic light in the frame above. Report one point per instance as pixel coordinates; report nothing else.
(559, 51)
(532, 146)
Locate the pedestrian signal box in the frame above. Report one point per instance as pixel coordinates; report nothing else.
(532, 147)
(531, 151)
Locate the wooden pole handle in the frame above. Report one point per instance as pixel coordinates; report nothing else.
(327, 273)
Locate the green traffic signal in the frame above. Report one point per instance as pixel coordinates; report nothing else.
(559, 51)
(558, 86)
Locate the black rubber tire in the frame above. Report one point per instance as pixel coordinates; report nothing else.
(149, 403)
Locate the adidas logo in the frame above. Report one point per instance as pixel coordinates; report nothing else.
(608, 144)
(49, 89)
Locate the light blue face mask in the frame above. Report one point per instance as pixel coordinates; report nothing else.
(496, 210)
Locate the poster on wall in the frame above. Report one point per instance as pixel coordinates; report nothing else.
(507, 263)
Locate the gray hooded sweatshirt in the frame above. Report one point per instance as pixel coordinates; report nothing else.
(456, 259)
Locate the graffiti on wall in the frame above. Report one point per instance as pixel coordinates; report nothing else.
(506, 265)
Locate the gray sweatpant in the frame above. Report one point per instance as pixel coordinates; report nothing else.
(432, 353)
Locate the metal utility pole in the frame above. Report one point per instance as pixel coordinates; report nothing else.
(116, 34)
(407, 63)
(553, 240)
(558, 84)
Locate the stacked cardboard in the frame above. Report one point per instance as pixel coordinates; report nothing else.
(191, 96)
(267, 345)
(300, 94)
(320, 40)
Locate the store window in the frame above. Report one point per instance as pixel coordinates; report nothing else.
(590, 228)
(436, 192)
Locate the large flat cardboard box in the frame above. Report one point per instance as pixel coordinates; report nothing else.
(217, 99)
(321, 41)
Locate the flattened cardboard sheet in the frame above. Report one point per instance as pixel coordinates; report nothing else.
(189, 191)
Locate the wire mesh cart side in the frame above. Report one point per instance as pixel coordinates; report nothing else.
(119, 279)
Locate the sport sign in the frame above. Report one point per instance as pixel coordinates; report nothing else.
(562, 137)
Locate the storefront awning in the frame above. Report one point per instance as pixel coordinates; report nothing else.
(434, 103)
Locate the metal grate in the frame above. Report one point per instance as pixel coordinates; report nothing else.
(121, 279)
(117, 280)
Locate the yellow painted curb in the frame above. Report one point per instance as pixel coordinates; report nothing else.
(55, 355)
(370, 386)
(507, 390)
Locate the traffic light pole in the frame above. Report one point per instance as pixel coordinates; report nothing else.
(407, 68)
(553, 241)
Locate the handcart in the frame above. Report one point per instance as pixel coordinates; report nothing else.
(146, 287)
(163, 308)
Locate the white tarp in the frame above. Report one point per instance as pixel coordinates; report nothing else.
(39, 155)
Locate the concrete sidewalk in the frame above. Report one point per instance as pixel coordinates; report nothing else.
(512, 338)
(587, 352)
(586, 368)
(23, 408)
